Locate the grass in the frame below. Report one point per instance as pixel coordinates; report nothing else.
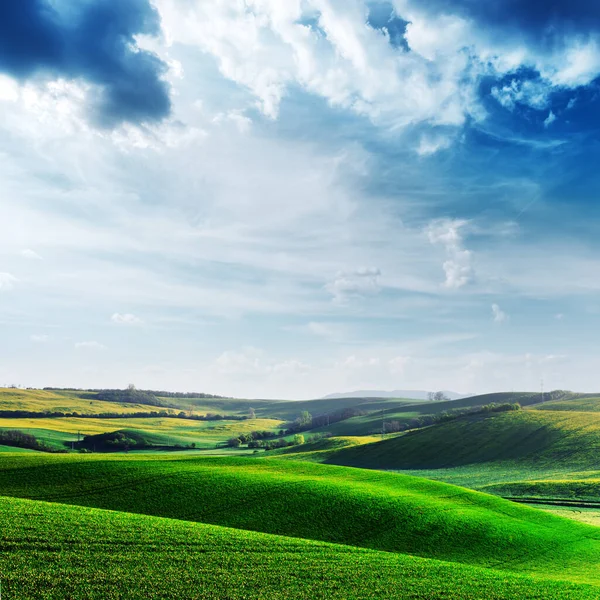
(538, 439)
(585, 404)
(370, 509)
(321, 449)
(44, 400)
(53, 551)
(160, 431)
(13, 449)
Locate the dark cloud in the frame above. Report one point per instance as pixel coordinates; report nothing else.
(92, 40)
(545, 21)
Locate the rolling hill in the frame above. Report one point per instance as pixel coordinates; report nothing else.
(369, 509)
(82, 553)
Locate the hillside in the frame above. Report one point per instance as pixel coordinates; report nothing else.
(81, 553)
(541, 439)
(412, 394)
(84, 403)
(370, 509)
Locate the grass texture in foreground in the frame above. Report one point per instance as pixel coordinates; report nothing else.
(369, 509)
(54, 551)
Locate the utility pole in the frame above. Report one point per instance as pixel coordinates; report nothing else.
(542, 389)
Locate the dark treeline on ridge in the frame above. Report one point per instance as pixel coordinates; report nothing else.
(28, 414)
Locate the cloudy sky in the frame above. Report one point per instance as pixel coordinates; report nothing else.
(286, 199)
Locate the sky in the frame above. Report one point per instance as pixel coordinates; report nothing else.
(275, 199)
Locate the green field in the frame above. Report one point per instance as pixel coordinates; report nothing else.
(303, 521)
(54, 551)
(370, 509)
(51, 401)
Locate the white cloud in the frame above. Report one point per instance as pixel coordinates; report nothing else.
(457, 267)
(549, 119)
(498, 314)
(430, 144)
(39, 339)
(91, 345)
(126, 319)
(398, 364)
(559, 316)
(7, 281)
(264, 46)
(30, 254)
(530, 93)
(360, 282)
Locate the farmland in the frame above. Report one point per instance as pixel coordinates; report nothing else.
(69, 552)
(303, 521)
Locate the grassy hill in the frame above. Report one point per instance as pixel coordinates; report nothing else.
(82, 553)
(160, 431)
(586, 403)
(542, 439)
(370, 509)
(53, 401)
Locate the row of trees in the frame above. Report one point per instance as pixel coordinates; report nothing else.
(21, 414)
(19, 439)
(450, 415)
(156, 393)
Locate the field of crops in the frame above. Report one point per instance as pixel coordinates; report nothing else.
(44, 401)
(370, 509)
(53, 552)
(282, 525)
(159, 431)
(541, 439)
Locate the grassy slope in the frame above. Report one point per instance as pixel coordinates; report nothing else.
(42, 401)
(584, 404)
(381, 511)
(290, 409)
(53, 551)
(540, 439)
(371, 423)
(167, 431)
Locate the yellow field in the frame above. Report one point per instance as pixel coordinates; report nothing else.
(42, 400)
(181, 427)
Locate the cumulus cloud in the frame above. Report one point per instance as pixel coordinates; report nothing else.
(498, 314)
(430, 144)
(93, 41)
(31, 254)
(549, 119)
(7, 281)
(39, 339)
(91, 345)
(252, 362)
(126, 319)
(329, 48)
(360, 282)
(457, 266)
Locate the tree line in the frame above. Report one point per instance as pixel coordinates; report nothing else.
(29, 414)
(449, 415)
(19, 439)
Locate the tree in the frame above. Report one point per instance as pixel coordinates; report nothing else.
(298, 439)
(440, 397)
(251, 413)
(431, 396)
(234, 442)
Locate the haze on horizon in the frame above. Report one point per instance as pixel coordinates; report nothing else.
(290, 199)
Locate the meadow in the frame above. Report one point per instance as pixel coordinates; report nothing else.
(54, 551)
(423, 516)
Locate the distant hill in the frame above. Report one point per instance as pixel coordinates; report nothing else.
(412, 394)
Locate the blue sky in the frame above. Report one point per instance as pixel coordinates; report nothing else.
(287, 199)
